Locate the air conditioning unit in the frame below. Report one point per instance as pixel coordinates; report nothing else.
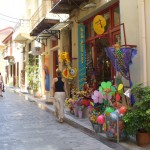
(37, 51)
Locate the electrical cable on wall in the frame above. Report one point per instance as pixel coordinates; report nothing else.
(8, 20)
(13, 17)
(9, 16)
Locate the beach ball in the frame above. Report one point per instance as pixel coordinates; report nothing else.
(109, 110)
(117, 97)
(113, 116)
(122, 110)
(101, 119)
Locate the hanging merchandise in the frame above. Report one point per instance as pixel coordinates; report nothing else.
(107, 108)
(121, 58)
(64, 57)
(68, 72)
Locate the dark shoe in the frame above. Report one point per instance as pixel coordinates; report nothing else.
(1, 95)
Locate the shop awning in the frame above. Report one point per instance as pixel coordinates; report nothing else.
(45, 34)
(9, 57)
(53, 32)
(43, 25)
(60, 26)
(65, 6)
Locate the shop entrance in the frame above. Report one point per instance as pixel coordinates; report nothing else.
(55, 62)
(98, 64)
(102, 65)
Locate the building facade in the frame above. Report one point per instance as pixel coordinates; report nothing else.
(53, 26)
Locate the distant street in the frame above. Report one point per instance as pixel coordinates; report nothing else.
(24, 126)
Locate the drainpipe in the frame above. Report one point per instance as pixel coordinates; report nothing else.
(141, 5)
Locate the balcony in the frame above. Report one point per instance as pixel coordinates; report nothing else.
(7, 53)
(21, 31)
(65, 6)
(40, 21)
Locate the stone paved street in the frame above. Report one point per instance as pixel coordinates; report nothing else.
(23, 126)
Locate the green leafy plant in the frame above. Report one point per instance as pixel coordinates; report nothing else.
(36, 86)
(32, 69)
(36, 79)
(137, 119)
(30, 75)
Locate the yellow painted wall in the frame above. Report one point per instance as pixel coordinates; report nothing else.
(147, 13)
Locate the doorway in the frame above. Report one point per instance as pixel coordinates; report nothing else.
(55, 62)
(102, 62)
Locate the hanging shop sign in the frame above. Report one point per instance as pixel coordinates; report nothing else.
(81, 55)
(99, 24)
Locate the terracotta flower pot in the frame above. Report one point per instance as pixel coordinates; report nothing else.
(143, 139)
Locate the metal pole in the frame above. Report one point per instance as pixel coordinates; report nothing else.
(117, 127)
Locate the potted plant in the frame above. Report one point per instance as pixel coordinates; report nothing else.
(29, 79)
(36, 88)
(36, 81)
(137, 119)
(93, 119)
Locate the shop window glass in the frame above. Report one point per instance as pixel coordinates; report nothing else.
(92, 29)
(116, 16)
(103, 65)
(89, 61)
(107, 17)
(87, 30)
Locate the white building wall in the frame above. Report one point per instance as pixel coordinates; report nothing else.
(2, 66)
(129, 16)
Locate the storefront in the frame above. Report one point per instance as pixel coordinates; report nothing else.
(97, 61)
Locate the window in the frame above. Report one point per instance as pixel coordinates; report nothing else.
(116, 16)
(107, 17)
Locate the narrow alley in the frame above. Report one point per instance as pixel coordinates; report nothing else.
(24, 126)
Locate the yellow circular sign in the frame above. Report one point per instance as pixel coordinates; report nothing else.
(99, 23)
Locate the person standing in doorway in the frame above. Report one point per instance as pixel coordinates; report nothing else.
(47, 78)
(47, 82)
(1, 85)
(60, 94)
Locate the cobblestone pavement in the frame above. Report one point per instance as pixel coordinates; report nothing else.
(23, 126)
